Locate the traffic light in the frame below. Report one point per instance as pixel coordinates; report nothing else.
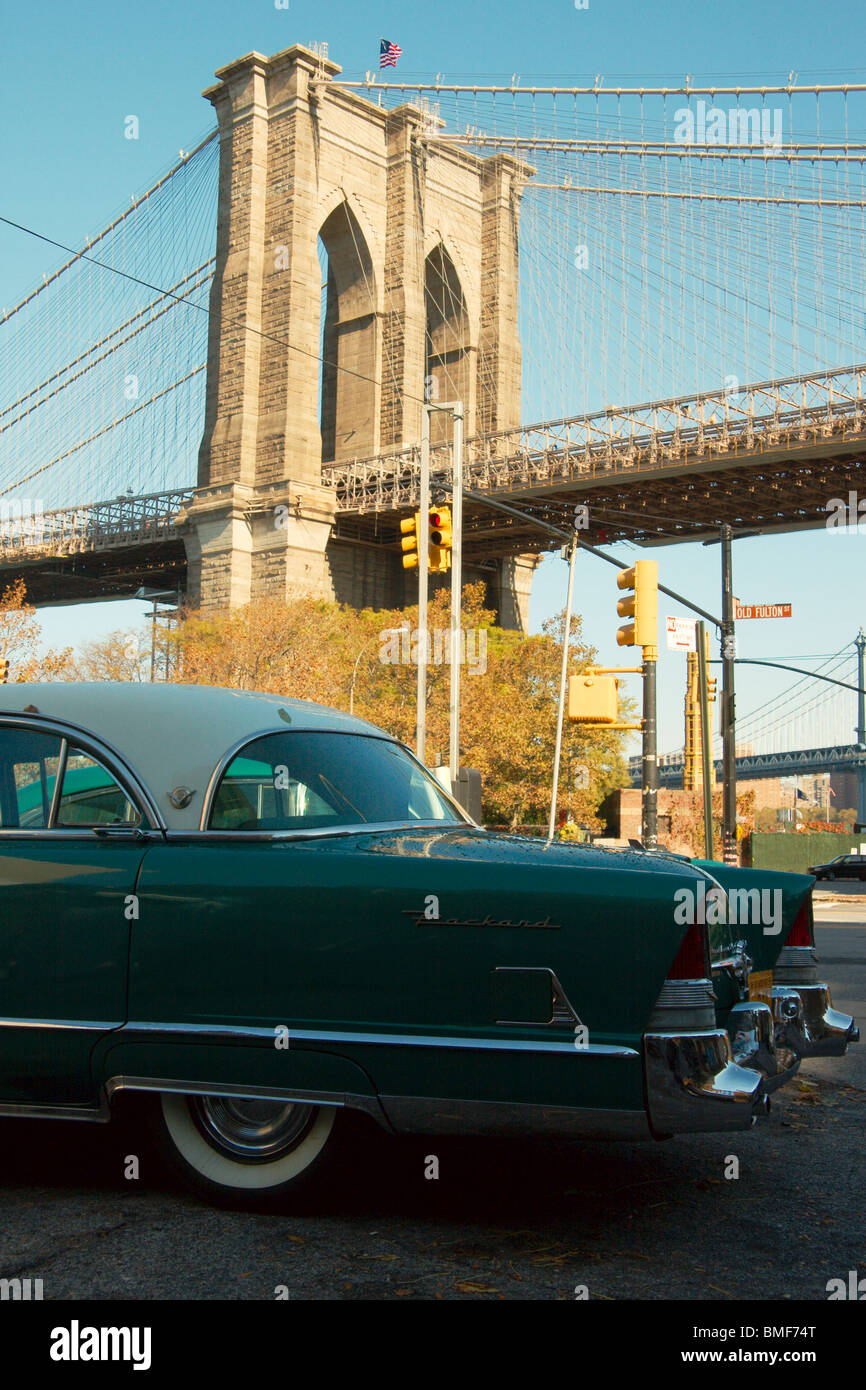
(4, 670)
(642, 605)
(441, 539)
(410, 528)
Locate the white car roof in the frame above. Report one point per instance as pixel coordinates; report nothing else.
(172, 735)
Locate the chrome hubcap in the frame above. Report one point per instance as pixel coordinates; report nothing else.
(253, 1131)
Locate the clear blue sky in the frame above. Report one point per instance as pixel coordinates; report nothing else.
(74, 72)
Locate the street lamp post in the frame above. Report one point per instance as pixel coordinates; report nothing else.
(860, 644)
(456, 591)
(729, 747)
(563, 686)
(423, 586)
(455, 409)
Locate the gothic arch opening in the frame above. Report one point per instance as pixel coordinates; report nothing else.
(348, 405)
(448, 362)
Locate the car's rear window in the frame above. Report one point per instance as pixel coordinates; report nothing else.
(311, 780)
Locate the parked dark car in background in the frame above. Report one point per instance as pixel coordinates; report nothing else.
(843, 866)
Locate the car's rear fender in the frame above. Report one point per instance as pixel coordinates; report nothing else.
(763, 904)
(338, 935)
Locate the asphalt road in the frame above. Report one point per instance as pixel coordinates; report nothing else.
(513, 1220)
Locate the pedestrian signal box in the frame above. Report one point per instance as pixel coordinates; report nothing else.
(592, 699)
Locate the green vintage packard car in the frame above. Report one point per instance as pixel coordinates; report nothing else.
(266, 913)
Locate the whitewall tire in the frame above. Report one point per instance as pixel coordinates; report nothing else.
(246, 1148)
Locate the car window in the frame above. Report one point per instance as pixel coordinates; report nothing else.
(30, 763)
(28, 768)
(309, 781)
(90, 795)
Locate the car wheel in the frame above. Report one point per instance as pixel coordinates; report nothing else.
(246, 1151)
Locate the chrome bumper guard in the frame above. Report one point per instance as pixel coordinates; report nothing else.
(693, 1084)
(754, 1044)
(806, 1021)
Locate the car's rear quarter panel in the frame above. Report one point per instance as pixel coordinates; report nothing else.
(320, 936)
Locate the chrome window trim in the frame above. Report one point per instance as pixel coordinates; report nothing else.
(86, 833)
(89, 743)
(237, 748)
(330, 832)
(58, 783)
(222, 1032)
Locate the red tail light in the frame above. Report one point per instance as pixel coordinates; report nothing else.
(692, 960)
(802, 931)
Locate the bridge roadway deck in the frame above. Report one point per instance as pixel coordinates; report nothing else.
(771, 458)
(839, 758)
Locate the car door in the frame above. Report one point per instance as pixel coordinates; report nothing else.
(71, 844)
(856, 867)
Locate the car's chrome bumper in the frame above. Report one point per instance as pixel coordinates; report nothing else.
(806, 1021)
(754, 1043)
(694, 1084)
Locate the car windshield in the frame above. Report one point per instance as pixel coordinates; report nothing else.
(312, 780)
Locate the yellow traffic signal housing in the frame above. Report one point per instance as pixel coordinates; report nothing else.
(642, 605)
(410, 528)
(441, 539)
(592, 699)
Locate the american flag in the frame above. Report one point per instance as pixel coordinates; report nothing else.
(388, 53)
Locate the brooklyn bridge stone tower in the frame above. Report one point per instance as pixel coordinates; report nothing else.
(419, 240)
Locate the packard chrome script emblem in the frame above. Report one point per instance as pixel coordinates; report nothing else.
(428, 915)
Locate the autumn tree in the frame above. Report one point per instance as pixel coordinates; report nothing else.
(302, 649)
(315, 650)
(686, 817)
(120, 656)
(20, 638)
